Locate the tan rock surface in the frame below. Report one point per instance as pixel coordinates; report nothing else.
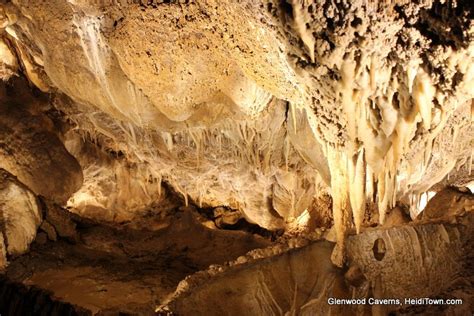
(20, 217)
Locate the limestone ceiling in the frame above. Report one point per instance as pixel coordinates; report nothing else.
(255, 105)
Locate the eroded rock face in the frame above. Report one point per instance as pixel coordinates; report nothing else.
(8, 61)
(448, 202)
(433, 256)
(424, 259)
(279, 285)
(20, 217)
(184, 91)
(31, 148)
(114, 189)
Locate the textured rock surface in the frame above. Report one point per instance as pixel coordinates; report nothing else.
(448, 202)
(31, 148)
(20, 217)
(432, 258)
(289, 115)
(383, 84)
(422, 260)
(113, 269)
(276, 286)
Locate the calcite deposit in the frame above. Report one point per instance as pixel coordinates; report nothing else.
(227, 133)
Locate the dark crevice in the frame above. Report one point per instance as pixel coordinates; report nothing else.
(18, 299)
(286, 8)
(241, 225)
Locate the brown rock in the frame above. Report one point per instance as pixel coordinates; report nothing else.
(354, 276)
(41, 238)
(448, 202)
(36, 155)
(61, 222)
(226, 217)
(396, 217)
(49, 230)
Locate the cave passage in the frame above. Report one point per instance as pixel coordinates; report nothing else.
(221, 157)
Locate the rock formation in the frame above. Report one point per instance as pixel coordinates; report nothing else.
(228, 133)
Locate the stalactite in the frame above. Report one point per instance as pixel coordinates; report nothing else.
(373, 70)
(300, 19)
(423, 94)
(168, 139)
(381, 200)
(293, 116)
(357, 189)
(337, 160)
(160, 183)
(196, 136)
(132, 134)
(287, 151)
(369, 184)
(347, 78)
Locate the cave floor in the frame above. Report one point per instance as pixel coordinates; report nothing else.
(126, 270)
(131, 269)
